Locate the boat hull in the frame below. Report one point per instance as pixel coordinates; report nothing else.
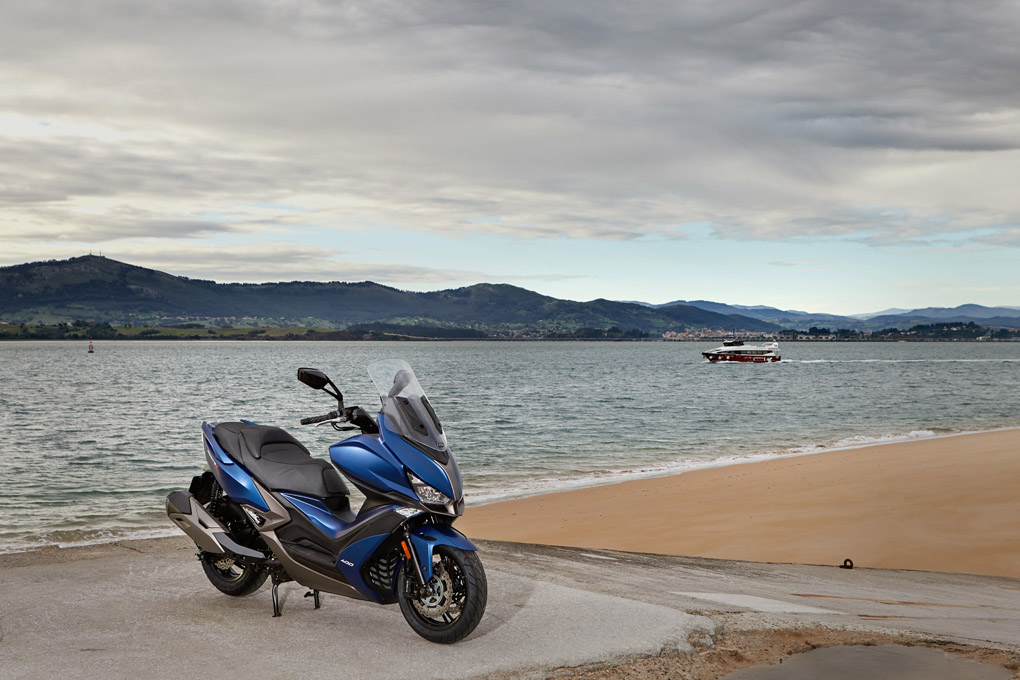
(714, 358)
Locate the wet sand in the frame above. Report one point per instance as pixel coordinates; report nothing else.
(949, 504)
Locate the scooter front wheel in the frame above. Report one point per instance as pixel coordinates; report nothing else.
(452, 602)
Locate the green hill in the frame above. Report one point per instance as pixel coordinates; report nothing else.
(98, 289)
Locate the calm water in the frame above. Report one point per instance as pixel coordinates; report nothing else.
(90, 445)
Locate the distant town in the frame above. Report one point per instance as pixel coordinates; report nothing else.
(83, 330)
(919, 333)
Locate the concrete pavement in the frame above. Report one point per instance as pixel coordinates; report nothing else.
(144, 608)
(148, 611)
(979, 610)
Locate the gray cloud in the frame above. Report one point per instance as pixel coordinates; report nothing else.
(282, 261)
(883, 122)
(250, 263)
(1009, 237)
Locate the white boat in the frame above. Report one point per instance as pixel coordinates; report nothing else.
(736, 350)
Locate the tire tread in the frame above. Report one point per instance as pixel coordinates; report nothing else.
(250, 581)
(474, 602)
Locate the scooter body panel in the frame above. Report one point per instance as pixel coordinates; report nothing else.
(445, 478)
(371, 466)
(235, 481)
(354, 557)
(317, 513)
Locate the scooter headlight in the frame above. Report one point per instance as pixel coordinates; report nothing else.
(427, 493)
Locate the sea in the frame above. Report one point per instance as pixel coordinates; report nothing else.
(90, 444)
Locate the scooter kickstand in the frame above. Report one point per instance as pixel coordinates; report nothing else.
(276, 598)
(314, 594)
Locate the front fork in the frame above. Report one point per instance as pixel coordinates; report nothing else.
(412, 557)
(419, 545)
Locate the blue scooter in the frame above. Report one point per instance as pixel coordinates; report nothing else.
(265, 508)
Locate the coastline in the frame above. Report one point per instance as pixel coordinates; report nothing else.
(851, 443)
(244, 334)
(559, 501)
(945, 503)
(717, 533)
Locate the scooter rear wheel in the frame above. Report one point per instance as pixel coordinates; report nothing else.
(232, 578)
(455, 600)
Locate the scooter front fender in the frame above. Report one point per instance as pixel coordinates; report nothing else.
(428, 537)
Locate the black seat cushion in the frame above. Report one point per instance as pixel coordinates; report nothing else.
(278, 460)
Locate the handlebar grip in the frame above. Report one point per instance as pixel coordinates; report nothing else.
(318, 419)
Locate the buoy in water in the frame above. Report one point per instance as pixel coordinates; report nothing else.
(91, 349)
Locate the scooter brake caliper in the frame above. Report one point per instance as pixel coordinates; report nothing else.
(436, 599)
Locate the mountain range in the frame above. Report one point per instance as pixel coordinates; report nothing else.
(99, 289)
(996, 317)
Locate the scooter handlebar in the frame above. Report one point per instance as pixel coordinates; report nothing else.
(319, 419)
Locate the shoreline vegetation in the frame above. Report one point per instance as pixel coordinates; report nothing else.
(82, 330)
(944, 504)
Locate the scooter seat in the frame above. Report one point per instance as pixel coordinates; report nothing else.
(279, 461)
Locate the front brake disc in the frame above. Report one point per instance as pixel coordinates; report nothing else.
(437, 601)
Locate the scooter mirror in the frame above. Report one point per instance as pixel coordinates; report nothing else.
(401, 380)
(312, 377)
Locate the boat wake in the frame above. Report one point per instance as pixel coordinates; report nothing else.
(900, 361)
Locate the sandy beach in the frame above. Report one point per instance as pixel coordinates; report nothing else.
(948, 504)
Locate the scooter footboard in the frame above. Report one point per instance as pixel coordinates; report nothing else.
(427, 538)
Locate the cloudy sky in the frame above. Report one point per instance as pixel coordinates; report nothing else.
(821, 155)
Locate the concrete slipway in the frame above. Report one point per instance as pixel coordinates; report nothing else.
(144, 609)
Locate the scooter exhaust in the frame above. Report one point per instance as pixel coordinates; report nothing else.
(204, 529)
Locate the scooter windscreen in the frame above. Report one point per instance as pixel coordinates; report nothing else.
(407, 409)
